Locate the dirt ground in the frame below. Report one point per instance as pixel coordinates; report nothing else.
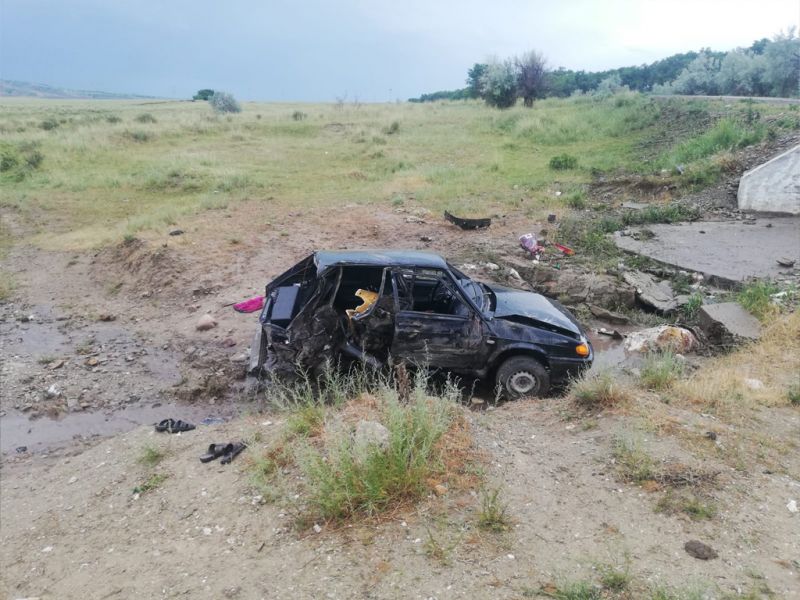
(101, 344)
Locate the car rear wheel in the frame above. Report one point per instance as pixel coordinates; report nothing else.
(521, 376)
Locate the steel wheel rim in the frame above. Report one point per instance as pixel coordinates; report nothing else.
(522, 382)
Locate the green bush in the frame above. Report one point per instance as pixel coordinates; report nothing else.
(17, 161)
(298, 115)
(393, 128)
(145, 118)
(49, 124)
(563, 162)
(344, 481)
(138, 136)
(223, 102)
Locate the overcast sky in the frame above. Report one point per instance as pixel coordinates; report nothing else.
(376, 50)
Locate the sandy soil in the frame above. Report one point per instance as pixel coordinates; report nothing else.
(72, 528)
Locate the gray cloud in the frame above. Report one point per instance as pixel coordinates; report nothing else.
(378, 50)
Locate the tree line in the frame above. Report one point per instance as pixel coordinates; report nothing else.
(768, 67)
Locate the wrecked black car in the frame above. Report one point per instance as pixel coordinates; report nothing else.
(386, 307)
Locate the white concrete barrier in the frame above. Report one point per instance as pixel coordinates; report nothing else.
(773, 186)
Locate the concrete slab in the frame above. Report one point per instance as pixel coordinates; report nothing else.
(774, 186)
(726, 320)
(726, 252)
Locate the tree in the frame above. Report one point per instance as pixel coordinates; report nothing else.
(783, 64)
(223, 102)
(531, 74)
(474, 76)
(499, 84)
(700, 76)
(203, 94)
(611, 85)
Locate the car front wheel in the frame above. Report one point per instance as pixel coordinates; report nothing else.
(521, 376)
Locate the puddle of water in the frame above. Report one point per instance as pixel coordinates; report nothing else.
(608, 352)
(16, 429)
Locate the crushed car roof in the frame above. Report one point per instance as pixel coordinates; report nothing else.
(378, 258)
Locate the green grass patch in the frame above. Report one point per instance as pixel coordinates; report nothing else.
(493, 513)
(726, 134)
(633, 463)
(696, 508)
(346, 480)
(150, 456)
(756, 298)
(667, 213)
(153, 482)
(793, 394)
(660, 370)
(600, 390)
(562, 162)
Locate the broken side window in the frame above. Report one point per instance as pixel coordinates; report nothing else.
(429, 291)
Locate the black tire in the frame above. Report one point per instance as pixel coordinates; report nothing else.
(521, 376)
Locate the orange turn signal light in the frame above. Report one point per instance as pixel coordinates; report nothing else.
(582, 350)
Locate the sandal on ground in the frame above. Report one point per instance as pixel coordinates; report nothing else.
(173, 426)
(233, 452)
(215, 451)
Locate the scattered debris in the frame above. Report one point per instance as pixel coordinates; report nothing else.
(699, 550)
(106, 317)
(792, 506)
(529, 243)
(53, 391)
(786, 262)
(551, 218)
(425, 238)
(21, 449)
(655, 294)
(664, 337)
(613, 333)
(726, 322)
(250, 305)
(176, 232)
(205, 323)
(468, 223)
(565, 250)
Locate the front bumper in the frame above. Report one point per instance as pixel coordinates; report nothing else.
(564, 369)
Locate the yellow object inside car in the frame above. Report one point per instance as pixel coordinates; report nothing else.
(368, 299)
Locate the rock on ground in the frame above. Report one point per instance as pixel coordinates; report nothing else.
(652, 293)
(664, 337)
(205, 323)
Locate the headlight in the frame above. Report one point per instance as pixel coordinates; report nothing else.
(582, 350)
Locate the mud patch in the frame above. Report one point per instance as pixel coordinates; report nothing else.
(45, 434)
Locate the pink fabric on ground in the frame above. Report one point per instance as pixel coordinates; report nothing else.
(251, 305)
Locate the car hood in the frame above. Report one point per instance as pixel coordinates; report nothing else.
(523, 306)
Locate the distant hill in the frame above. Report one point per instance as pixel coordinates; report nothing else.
(40, 90)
